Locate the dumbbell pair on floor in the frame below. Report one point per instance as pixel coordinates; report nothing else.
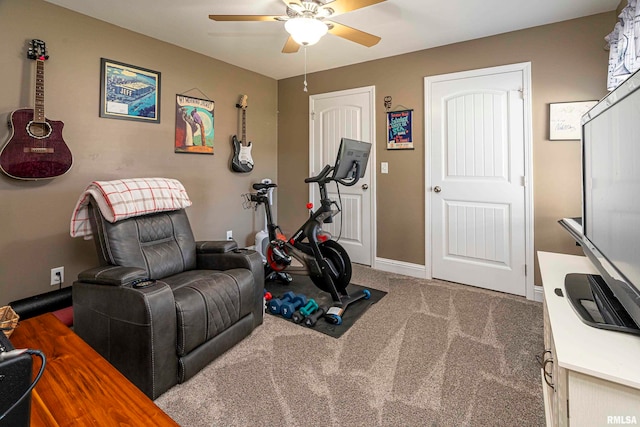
(305, 311)
(297, 308)
(287, 304)
(309, 314)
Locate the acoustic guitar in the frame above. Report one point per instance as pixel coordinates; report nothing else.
(35, 148)
(242, 161)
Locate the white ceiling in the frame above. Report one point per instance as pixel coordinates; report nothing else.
(404, 25)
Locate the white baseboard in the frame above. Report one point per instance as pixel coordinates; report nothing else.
(538, 293)
(420, 271)
(401, 267)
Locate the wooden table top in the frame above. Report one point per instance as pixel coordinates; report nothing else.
(79, 387)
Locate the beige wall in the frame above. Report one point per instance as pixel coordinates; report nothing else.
(568, 64)
(34, 216)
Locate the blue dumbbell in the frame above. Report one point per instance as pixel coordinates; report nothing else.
(275, 305)
(289, 307)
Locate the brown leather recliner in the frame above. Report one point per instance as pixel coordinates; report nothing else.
(206, 297)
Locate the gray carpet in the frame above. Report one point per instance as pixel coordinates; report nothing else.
(430, 353)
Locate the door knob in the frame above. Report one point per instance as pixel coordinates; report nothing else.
(365, 187)
(437, 189)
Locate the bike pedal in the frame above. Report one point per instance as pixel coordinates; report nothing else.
(280, 257)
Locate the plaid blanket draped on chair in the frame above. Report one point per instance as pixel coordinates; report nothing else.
(125, 198)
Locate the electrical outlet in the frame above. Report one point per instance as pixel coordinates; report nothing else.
(57, 276)
(229, 234)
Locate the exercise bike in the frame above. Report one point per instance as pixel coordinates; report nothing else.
(324, 260)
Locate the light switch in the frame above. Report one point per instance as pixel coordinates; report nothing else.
(384, 167)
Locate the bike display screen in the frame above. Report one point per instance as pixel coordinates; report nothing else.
(350, 153)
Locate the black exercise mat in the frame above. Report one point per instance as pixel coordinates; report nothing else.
(304, 285)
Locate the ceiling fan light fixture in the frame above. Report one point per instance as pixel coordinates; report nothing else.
(305, 31)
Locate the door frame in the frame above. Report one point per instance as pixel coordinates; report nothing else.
(525, 68)
(371, 92)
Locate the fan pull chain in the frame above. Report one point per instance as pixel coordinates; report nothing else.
(305, 69)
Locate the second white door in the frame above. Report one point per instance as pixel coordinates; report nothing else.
(335, 115)
(477, 180)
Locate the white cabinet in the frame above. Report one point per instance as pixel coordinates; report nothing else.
(554, 380)
(591, 377)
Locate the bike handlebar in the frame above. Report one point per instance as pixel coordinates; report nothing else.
(322, 176)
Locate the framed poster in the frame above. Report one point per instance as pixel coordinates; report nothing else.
(400, 130)
(194, 125)
(564, 119)
(128, 92)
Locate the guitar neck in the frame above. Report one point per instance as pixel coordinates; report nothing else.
(244, 126)
(38, 110)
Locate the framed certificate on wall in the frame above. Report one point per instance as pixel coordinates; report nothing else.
(564, 119)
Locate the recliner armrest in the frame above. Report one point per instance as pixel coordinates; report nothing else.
(134, 329)
(112, 275)
(239, 258)
(236, 258)
(216, 246)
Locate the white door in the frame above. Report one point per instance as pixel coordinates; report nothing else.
(349, 114)
(478, 173)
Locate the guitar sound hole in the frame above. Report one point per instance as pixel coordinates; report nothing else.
(39, 129)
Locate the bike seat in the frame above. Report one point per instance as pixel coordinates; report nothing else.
(261, 186)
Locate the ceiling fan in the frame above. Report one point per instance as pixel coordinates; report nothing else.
(306, 21)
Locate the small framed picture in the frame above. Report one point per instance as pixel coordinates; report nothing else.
(400, 130)
(564, 119)
(128, 92)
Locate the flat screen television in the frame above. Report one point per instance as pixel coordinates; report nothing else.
(611, 212)
(350, 153)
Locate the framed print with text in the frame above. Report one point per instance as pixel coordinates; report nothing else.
(194, 125)
(400, 130)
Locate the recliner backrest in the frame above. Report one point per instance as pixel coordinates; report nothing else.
(161, 243)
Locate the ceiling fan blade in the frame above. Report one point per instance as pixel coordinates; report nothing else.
(344, 6)
(244, 17)
(290, 46)
(352, 34)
